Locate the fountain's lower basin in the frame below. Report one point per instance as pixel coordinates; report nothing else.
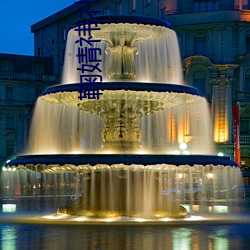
(84, 162)
(132, 185)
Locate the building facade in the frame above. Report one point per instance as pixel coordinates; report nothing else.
(22, 79)
(214, 40)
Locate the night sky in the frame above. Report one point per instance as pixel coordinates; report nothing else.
(16, 17)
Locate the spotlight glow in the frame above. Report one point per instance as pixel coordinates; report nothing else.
(183, 146)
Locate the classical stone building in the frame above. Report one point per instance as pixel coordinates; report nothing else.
(214, 40)
(22, 79)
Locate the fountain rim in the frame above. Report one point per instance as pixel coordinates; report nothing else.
(136, 86)
(107, 19)
(126, 159)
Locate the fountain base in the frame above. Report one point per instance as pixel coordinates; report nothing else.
(179, 212)
(136, 185)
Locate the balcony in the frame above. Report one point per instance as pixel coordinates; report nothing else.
(28, 77)
(245, 139)
(183, 18)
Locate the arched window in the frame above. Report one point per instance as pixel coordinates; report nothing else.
(199, 81)
(247, 82)
(200, 44)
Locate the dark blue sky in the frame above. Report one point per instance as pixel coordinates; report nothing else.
(16, 17)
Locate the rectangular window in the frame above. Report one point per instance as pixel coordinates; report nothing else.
(171, 7)
(106, 11)
(7, 65)
(244, 126)
(37, 67)
(247, 84)
(200, 46)
(10, 122)
(162, 13)
(133, 5)
(248, 44)
(10, 148)
(209, 6)
(9, 93)
(146, 2)
(205, 5)
(248, 41)
(119, 8)
(245, 4)
(199, 81)
(64, 34)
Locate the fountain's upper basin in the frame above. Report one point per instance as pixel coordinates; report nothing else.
(71, 162)
(168, 95)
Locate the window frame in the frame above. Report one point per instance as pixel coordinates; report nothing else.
(198, 38)
(132, 5)
(247, 81)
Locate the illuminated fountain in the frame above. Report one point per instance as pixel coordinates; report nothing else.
(146, 133)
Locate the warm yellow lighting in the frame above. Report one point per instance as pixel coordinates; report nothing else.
(165, 219)
(180, 175)
(195, 218)
(196, 208)
(142, 152)
(183, 146)
(210, 175)
(140, 220)
(76, 152)
(245, 16)
(108, 220)
(221, 130)
(177, 152)
(55, 217)
(80, 219)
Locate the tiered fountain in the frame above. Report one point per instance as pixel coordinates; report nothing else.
(146, 133)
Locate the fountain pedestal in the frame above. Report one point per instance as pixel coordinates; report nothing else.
(115, 193)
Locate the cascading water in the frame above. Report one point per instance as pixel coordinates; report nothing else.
(145, 144)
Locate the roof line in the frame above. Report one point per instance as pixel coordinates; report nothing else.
(56, 16)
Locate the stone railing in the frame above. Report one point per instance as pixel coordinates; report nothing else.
(245, 139)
